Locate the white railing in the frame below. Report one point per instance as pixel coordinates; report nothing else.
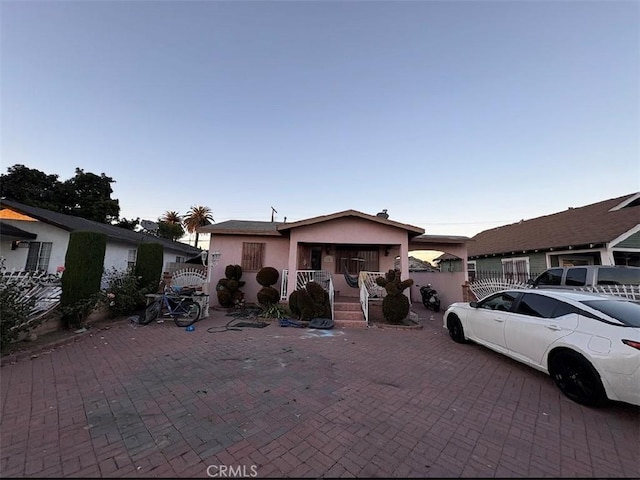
(632, 292)
(284, 285)
(369, 289)
(332, 295)
(364, 302)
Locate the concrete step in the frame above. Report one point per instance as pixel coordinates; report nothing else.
(348, 315)
(344, 306)
(350, 323)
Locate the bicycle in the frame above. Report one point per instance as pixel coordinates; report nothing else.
(179, 305)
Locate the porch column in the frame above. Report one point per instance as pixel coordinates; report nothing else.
(292, 265)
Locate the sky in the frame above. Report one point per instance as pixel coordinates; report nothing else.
(454, 116)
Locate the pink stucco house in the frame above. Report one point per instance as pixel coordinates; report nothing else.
(333, 249)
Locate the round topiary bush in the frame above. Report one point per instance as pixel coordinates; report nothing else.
(228, 289)
(310, 301)
(267, 276)
(268, 296)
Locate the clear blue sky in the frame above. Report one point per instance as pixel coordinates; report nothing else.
(455, 116)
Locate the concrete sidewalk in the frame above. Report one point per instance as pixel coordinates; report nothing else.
(158, 401)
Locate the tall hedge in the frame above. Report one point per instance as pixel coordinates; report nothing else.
(149, 262)
(84, 264)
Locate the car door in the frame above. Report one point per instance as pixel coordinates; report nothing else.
(537, 322)
(488, 321)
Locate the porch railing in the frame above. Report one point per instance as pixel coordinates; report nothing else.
(369, 289)
(303, 277)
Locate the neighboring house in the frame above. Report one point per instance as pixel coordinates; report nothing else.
(35, 239)
(336, 246)
(449, 263)
(603, 233)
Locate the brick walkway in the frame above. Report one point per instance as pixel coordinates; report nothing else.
(158, 401)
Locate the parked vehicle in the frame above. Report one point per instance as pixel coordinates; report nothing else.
(430, 297)
(587, 276)
(588, 343)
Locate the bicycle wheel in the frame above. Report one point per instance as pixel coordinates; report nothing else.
(189, 313)
(150, 313)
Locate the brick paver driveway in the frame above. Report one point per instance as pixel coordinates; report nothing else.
(160, 401)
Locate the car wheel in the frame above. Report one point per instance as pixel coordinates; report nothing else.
(456, 331)
(577, 379)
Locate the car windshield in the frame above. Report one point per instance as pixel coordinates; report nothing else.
(625, 311)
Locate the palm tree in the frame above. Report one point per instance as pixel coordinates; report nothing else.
(197, 217)
(171, 216)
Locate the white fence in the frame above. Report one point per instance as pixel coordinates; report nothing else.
(483, 287)
(43, 288)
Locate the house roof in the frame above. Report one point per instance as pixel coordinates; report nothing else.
(590, 225)
(413, 231)
(71, 223)
(242, 227)
(248, 227)
(9, 231)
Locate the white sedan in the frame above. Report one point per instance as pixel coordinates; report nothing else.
(588, 343)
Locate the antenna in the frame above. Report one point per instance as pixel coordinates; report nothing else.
(273, 210)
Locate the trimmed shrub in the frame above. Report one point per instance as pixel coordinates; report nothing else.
(268, 295)
(149, 262)
(84, 264)
(228, 289)
(15, 311)
(310, 301)
(267, 276)
(123, 295)
(395, 305)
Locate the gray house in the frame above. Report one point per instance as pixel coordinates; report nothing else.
(603, 233)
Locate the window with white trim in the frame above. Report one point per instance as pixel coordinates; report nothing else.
(132, 255)
(38, 256)
(471, 270)
(516, 269)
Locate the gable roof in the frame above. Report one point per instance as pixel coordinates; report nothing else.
(249, 227)
(412, 230)
(71, 224)
(590, 225)
(9, 231)
(242, 227)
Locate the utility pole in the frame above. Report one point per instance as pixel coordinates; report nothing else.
(273, 210)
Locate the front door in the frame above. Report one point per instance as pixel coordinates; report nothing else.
(316, 258)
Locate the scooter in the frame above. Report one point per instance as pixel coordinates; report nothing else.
(430, 297)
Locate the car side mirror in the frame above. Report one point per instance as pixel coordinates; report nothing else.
(473, 304)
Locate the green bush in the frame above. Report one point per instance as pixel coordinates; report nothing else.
(310, 301)
(123, 295)
(84, 264)
(268, 296)
(395, 305)
(228, 289)
(149, 262)
(15, 311)
(267, 276)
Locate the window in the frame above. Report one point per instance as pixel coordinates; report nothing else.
(576, 277)
(553, 276)
(131, 259)
(501, 301)
(543, 307)
(180, 259)
(516, 269)
(38, 256)
(618, 276)
(471, 270)
(252, 256)
(357, 259)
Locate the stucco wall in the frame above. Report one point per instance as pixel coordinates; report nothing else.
(17, 259)
(276, 254)
(447, 284)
